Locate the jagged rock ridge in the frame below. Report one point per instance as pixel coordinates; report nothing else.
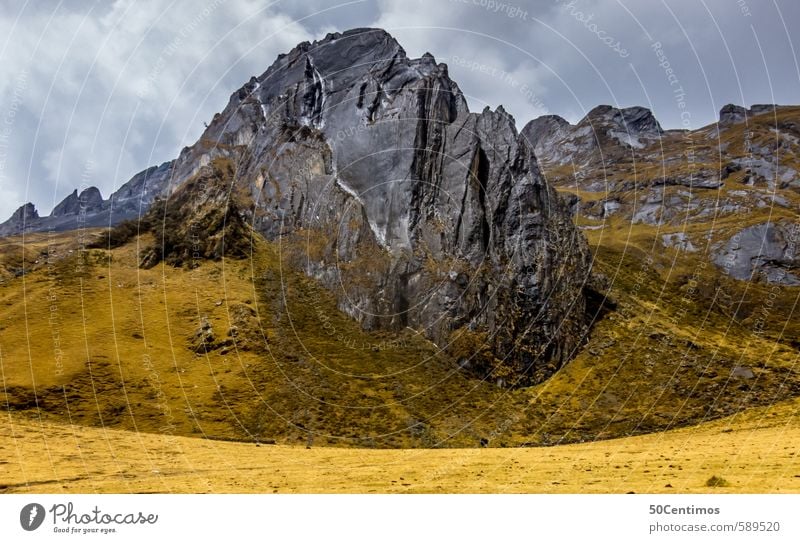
(89, 209)
(24, 215)
(734, 114)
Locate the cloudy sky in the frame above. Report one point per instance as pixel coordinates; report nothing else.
(92, 92)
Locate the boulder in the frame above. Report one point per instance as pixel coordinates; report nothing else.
(765, 251)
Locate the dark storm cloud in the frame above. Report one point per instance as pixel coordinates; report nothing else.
(92, 93)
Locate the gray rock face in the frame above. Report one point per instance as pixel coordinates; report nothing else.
(89, 200)
(89, 209)
(133, 198)
(632, 126)
(637, 120)
(20, 220)
(598, 209)
(701, 179)
(611, 150)
(732, 114)
(562, 143)
(412, 210)
(678, 240)
(68, 206)
(651, 208)
(543, 132)
(765, 251)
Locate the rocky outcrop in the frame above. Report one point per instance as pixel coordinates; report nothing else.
(414, 211)
(68, 206)
(604, 127)
(672, 178)
(133, 198)
(89, 201)
(632, 127)
(731, 114)
(635, 120)
(21, 220)
(543, 132)
(765, 251)
(679, 241)
(204, 219)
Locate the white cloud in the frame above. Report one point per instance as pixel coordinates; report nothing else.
(86, 72)
(490, 54)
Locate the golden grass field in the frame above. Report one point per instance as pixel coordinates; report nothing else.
(753, 452)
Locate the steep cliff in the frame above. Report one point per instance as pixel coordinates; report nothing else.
(379, 182)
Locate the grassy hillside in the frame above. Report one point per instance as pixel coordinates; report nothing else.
(246, 349)
(666, 356)
(238, 349)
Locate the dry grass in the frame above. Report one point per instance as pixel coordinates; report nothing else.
(753, 453)
(92, 339)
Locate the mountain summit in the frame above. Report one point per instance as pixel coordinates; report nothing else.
(412, 210)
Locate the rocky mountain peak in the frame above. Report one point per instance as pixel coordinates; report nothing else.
(424, 214)
(339, 58)
(88, 200)
(67, 206)
(25, 212)
(557, 141)
(362, 39)
(733, 114)
(384, 187)
(544, 130)
(602, 111)
(21, 218)
(91, 198)
(89, 209)
(641, 120)
(634, 120)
